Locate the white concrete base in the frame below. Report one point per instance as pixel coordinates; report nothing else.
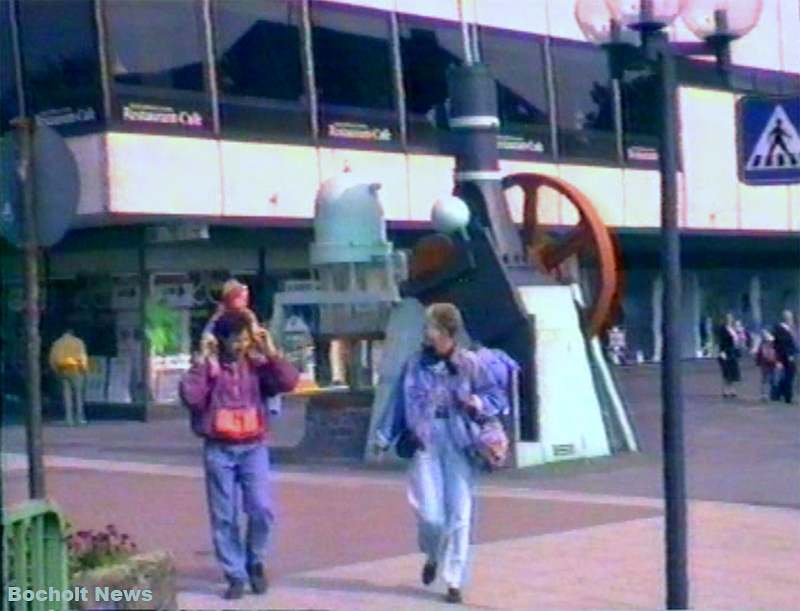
(528, 454)
(570, 419)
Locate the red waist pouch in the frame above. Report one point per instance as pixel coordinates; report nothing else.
(238, 424)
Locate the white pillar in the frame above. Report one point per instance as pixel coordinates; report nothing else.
(690, 321)
(755, 301)
(701, 313)
(658, 292)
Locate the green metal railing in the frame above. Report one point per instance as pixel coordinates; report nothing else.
(34, 555)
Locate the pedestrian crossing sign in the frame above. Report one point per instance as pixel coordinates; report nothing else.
(769, 140)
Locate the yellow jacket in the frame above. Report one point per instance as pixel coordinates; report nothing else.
(68, 355)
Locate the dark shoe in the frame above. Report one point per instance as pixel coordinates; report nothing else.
(235, 590)
(428, 573)
(453, 596)
(258, 581)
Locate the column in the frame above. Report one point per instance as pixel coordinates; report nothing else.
(658, 316)
(690, 327)
(755, 302)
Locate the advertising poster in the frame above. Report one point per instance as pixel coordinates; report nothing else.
(120, 371)
(97, 380)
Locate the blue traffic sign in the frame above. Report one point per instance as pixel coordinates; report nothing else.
(769, 140)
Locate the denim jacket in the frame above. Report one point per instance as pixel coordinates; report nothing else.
(427, 383)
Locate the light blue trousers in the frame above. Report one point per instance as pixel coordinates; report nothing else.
(233, 472)
(440, 490)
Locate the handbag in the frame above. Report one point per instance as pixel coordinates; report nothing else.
(237, 424)
(407, 444)
(489, 442)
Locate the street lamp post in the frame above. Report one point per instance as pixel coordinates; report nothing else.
(718, 22)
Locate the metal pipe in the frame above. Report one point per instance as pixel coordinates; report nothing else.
(671, 385)
(552, 104)
(211, 67)
(33, 347)
(399, 85)
(476, 44)
(102, 49)
(144, 297)
(308, 62)
(16, 46)
(619, 119)
(466, 38)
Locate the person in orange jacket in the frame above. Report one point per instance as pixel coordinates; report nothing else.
(69, 361)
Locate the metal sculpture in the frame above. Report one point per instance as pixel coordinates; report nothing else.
(589, 233)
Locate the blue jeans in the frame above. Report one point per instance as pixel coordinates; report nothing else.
(440, 490)
(229, 469)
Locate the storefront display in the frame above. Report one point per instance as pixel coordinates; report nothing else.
(97, 380)
(298, 345)
(120, 376)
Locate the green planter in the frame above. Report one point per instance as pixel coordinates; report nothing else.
(143, 581)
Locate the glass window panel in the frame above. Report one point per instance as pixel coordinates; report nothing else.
(428, 48)
(61, 61)
(517, 63)
(259, 67)
(585, 103)
(8, 88)
(353, 71)
(157, 56)
(640, 119)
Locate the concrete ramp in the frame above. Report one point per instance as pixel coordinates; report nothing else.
(403, 338)
(570, 421)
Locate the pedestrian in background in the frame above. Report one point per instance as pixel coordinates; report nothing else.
(787, 347)
(767, 362)
(70, 363)
(228, 397)
(443, 388)
(743, 338)
(728, 340)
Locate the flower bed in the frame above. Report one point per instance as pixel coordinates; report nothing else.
(110, 573)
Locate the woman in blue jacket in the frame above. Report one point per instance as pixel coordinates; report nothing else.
(443, 386)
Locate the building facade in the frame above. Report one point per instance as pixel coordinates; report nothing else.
(226, 115)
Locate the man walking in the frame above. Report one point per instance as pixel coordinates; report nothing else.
(69, 361)
(226, 394)
(787, 347)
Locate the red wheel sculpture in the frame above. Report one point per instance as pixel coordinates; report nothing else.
(590, 234)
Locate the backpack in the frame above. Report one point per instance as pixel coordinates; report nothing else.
(502, 370)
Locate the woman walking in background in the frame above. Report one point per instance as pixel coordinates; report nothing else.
(767, 362)
(787, 348)
(729, 353)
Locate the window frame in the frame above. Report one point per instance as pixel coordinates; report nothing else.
(436, 140)
(633, 140)
(186, 105)
(387, 119)
(80, 116)
(544, 129)
(229, 104)
(563, 156)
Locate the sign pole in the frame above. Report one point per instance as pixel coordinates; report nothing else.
(674, 464)
(36, 479)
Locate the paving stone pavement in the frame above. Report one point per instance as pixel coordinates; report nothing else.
(584, 535)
